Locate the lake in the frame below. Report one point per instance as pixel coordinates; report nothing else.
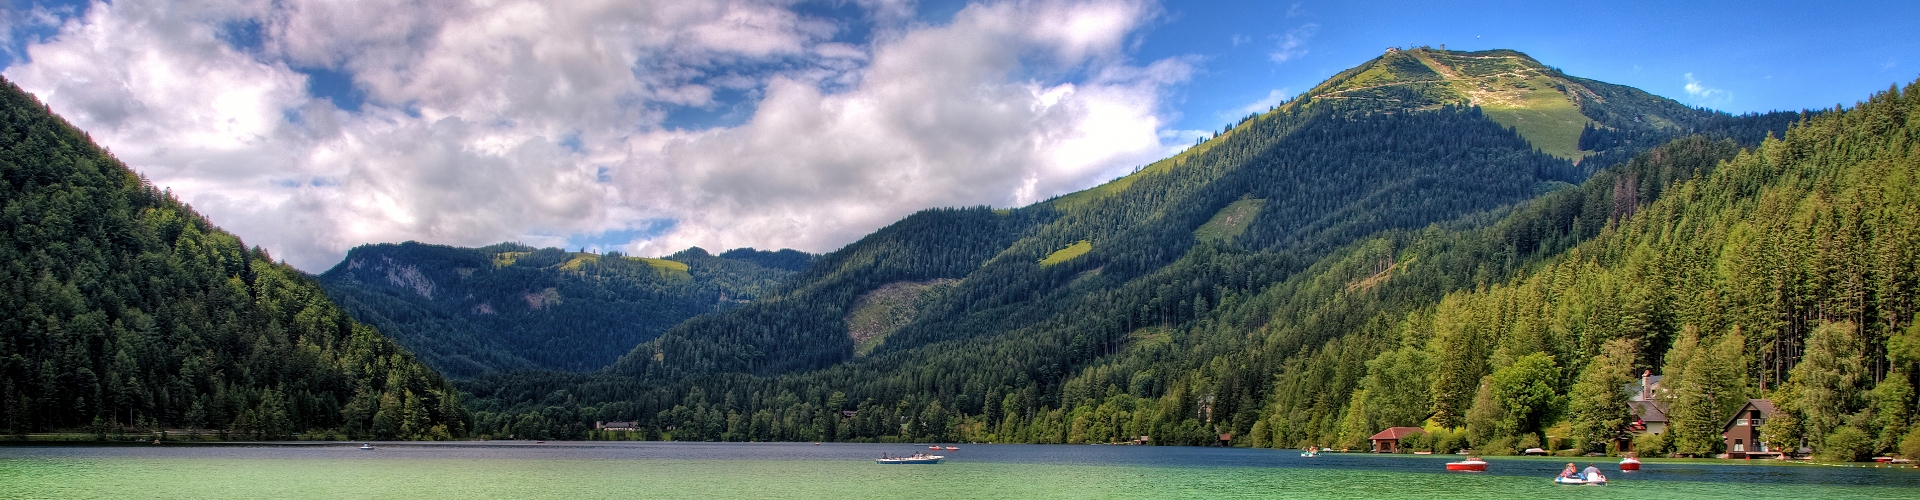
(512, 469)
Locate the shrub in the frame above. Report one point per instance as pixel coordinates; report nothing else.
(1498, 446)
(1528, 440)
(1847, 444)
(1910, 444)
(1651, 445)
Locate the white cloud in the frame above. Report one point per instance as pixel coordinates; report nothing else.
(1261, 105)
(467, 106)
(1701, 91)
(1293, 44)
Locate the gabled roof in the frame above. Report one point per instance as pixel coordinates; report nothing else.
(1398, 432)
(1648, 411)
(1766, 411)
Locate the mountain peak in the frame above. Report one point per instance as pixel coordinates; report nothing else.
(1541, 103)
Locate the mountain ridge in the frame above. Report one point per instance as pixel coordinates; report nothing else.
(1331, 173)
(507, 306)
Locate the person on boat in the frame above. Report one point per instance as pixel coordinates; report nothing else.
(1569, 471)
(1591, 474)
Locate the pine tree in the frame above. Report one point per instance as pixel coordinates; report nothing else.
(1597, 404)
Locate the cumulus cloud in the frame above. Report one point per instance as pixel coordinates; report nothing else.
(542, 121)
(1293, 44)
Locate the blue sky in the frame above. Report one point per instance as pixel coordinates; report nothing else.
(312, 126)
(1745, 56)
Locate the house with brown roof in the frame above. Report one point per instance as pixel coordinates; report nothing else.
(1388, 441)
(1742, 432)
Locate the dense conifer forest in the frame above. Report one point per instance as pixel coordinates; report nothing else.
(468, 311)
(1469, 242)
(1410, 264)
(124, 312)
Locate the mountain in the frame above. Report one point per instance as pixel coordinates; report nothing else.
(468, 311)
(1151, 286)
(123, 311)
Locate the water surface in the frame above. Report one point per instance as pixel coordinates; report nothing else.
(847, 471)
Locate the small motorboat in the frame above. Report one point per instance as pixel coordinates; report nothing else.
(953, 448)
(1534, 452)
(917, 458)
(1629, 464)
(1471, 464)
(933, 447)
(1590, 479)
(366, 446)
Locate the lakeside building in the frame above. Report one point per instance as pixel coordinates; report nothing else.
(1742, 432)
(1388, 441)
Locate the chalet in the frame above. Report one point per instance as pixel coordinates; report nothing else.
(1388, 441)
(1647, 404)
(1743, 431)
(615, 426)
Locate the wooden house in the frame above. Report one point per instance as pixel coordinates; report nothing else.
(1742, 432)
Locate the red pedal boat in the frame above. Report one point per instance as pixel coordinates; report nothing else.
(1473, 464)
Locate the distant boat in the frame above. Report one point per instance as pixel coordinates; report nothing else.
(953, 448)
(1310, 453)
(933, 447)
(1629, 464)
(917, 458)
(1474, 464)
(366, 446)
(1534, 451)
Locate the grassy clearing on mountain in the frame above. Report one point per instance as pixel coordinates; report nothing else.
(1070, 252)
(504, 259)
(666, 266)
(579, 259)
(1230, 221)
(886, 309)
(1545, 117)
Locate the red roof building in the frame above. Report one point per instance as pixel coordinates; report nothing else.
(1388, 441)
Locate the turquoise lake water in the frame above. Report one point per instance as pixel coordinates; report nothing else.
(844, 471)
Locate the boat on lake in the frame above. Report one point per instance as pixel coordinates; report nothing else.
(1629, 464)
(1310, 452)
(1471, 464)
(1578, 481)
(366, 446)
(953, 448)
(917, 458)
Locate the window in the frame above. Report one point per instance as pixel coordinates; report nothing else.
(1740, 421)
(1759, 447)
(1739, 445)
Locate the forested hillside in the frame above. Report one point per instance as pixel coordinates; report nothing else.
(1171, 297)
(122, 310)
(468, 311)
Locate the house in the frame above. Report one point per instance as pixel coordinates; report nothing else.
(1647, 405)
(1388, 441)
(1743, 431)
(615, 426)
